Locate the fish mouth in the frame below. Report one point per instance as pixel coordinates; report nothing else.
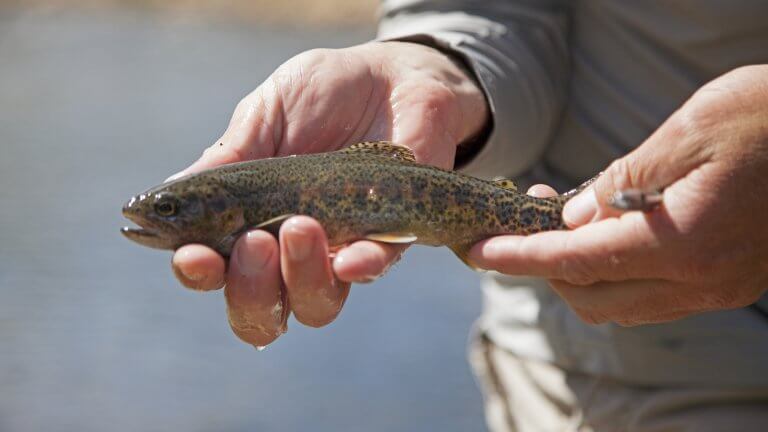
(137, 233)
(147, 237)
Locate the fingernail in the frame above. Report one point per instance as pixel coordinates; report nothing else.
(250, 258)
(581, 209)
(298, 243)
(191, 280)
(184, 276)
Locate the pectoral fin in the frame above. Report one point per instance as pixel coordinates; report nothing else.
(394, 238)
(272, 226)
(383, 148)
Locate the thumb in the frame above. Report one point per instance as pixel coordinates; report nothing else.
(666, 156)
(254, 132)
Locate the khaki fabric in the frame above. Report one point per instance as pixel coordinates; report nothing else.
(573, 85)
(524, 395)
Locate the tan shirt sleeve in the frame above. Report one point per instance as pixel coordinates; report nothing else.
(518, 52)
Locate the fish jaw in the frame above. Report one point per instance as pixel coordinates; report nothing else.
(148, 238)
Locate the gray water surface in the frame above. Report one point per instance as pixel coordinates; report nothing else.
(95, 334)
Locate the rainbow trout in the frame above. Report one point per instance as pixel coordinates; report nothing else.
(372, 190)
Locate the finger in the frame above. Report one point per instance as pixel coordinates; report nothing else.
(365, 260)
(666, 156)
(256, 303)
(541, 191)
(198, 267)
(627, 303)
(612, 249)
(315, 296)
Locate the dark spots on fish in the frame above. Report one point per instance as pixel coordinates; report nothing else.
(544, 219)
(527, 217)
(353, 193)
(360, 197)
(289, 198)
(462, 196)
(308, 208)
(551, 219)
(418, 186)
(389, 189)
(437, 199)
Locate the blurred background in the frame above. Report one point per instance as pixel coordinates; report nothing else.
(101, 99)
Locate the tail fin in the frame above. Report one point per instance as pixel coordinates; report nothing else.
(564, 197)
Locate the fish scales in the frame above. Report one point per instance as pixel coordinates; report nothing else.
(370, 190)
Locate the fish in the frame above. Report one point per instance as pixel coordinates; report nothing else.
(371, 190)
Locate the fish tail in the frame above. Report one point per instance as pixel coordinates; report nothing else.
(564, 197)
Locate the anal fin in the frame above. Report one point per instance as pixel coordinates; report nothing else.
(394, 238)
(462, 252)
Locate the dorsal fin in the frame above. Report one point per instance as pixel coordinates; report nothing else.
(383, 148)
(505, 183)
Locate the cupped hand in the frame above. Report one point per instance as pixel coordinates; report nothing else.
(705, 249)
(323, 100)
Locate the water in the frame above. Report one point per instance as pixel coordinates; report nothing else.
(95, 334)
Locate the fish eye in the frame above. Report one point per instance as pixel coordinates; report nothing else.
(166, 206)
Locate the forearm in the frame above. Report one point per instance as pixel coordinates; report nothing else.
(518, 53)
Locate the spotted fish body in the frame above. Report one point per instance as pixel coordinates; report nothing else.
(370, 190)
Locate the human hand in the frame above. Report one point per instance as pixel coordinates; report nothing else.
(705, 249)
(323, 100)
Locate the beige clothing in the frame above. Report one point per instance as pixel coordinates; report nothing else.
(525, 395)
(572, 85)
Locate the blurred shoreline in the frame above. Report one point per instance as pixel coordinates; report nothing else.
(290, 13)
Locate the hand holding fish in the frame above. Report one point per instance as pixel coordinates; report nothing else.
(705, 249)
(319, 101)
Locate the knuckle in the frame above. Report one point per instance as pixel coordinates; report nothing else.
(246, 104)
(575, 268)
(315, 56)
(620, 174)
(297, 66)
(697, 115)
(440, 98)
(574, 271)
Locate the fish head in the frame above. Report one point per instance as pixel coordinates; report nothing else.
(193, 209)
